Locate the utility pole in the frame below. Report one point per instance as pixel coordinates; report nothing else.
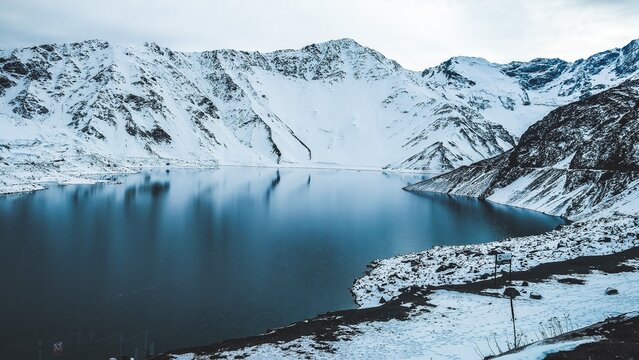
(512, 314)
(512, 293)
(510, 271)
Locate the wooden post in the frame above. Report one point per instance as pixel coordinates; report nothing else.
(39, 349)
(510, 271)
(512, 313)
(146, 337)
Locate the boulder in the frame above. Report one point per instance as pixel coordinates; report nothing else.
(535, 296)
(612, 291)
(511, 292)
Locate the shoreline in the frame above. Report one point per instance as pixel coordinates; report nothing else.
(387, 285)
(78, 176)
(334, 326)
(388, 282)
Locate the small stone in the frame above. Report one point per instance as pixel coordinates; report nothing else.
(382, 300)
(447, 267)
(612, 291)
(525, 283)
(535, 296)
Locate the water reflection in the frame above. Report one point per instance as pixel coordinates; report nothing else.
(198, 256)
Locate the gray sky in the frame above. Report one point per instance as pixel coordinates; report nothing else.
(416, 33)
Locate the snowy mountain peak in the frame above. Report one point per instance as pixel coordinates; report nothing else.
(343, 43)
(335, 103)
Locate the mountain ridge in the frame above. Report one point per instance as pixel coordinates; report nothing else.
(580, 160)
(336, 104)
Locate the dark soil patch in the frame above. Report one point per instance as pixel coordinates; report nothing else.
(326, 327)
(620, 341)
(571, 281)
(610, 264)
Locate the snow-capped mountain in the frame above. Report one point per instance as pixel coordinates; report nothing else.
(335, 104)
(581, 159)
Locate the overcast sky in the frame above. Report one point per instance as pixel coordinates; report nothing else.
(416, 33)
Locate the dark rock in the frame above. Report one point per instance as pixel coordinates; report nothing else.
(535, 296)
(27, 105)
(511, 292)
(5, 83)
(525, 283)
(39, 75)
(382, 300)
(447, 267)
(159, 135)
(611, 291)
(15, 67)
(536, 73)
(90, 130)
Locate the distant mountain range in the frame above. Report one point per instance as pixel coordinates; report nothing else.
(333, 104)
(580, 161)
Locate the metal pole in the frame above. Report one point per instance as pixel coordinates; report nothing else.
(512, 312)
(39, 349)
(146, 337)
(121, 340)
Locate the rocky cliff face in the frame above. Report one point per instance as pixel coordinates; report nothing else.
(582, 78)
(581, 159)
(331, 104)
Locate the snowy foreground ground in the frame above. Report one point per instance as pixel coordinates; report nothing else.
(455, 323)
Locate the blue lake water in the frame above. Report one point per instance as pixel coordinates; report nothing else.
(197, 256)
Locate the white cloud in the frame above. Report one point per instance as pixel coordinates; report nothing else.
(417, 33)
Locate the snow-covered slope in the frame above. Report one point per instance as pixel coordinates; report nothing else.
(334, 104)
(581, 160)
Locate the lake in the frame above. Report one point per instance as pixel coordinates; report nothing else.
(190, 257)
